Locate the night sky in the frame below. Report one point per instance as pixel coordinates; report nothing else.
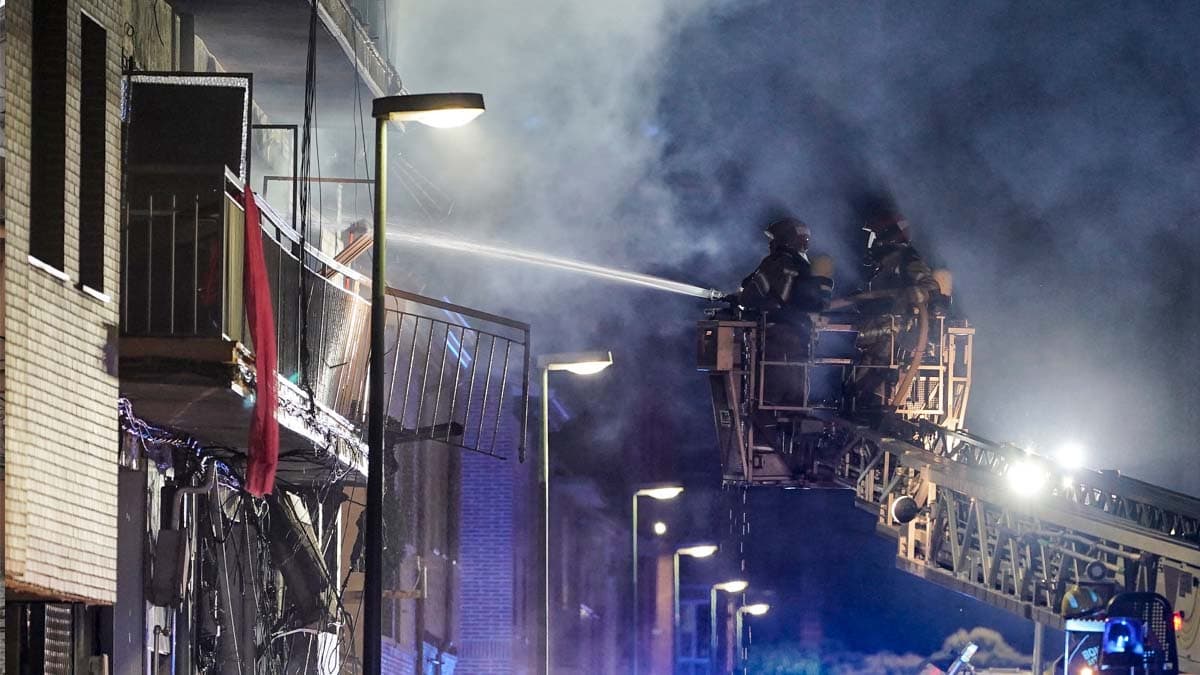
(1047, 154)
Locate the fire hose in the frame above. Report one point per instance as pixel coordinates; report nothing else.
(918, 356)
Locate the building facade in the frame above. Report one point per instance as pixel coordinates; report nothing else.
(129, 369)
(499, 617)
(62, 186)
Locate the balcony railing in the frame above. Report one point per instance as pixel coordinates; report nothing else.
(182, 278)
(454, 372)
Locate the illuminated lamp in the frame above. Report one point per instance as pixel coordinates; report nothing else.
(443, 111)
(1026, 477)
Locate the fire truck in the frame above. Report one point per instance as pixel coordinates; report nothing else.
(877, 405)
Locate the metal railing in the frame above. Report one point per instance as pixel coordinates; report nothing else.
(458, 364)
(1019, 543)
(937, 392)
(452, 371)
(173, 252)
(182, 253)
(773, 386)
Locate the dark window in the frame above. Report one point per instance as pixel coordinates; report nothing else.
(93, 110)
(48, 132)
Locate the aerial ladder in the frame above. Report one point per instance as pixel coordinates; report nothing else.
(990, 520)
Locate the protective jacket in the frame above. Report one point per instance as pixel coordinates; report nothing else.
(898, 268)
(783, 285)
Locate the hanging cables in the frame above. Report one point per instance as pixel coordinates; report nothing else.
(310, 97)
(359, 120)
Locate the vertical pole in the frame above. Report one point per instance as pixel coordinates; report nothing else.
(737, 659)
(712, 629)
(1066, 658)
(187, 42)
(373, 537)
(338, 216)
(675, 615)
(174, 212)
(545, 476)
(195, 266)
(150, 268)
(295, 175)
(637, 638)
(1039, 632)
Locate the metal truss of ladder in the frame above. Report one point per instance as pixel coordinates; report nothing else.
(976, 535)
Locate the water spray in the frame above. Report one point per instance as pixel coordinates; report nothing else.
(530, 257)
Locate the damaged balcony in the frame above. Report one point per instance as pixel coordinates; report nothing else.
(186, 355)
(187, 359)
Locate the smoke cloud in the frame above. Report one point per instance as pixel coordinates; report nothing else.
(1046, 154)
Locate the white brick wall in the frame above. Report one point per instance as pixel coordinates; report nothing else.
(60, 422)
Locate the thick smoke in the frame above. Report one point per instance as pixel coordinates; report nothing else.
(567, 160)
(564, 159)
(1046, 154)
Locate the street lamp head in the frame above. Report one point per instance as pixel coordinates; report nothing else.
(733, 586)
(661, 493)
(588, 367)
(697, 550)
(757, 609)
(1070, 455)
(436, 110)
(579, 363)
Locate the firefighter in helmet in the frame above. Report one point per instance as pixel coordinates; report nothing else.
(784, 283)
(785, 289)
(901, 293)
(898, 277)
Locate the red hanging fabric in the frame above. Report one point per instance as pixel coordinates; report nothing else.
(264, 428)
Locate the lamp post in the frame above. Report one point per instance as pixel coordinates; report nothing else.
(579, 363)
(661, 493)
(692, 551)
(436, 110)
(757, 609)
(732, 586)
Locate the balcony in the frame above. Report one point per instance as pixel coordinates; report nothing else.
(187, 359)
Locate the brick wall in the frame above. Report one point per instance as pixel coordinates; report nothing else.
(397, 659)
(486, 566)
(490, 559)
(3, 34)
(60, 421)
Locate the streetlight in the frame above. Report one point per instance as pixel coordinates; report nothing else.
(661, 493)
(692, 551)
(733, 586)
(579, 363)
(437, 110)
(757, 609)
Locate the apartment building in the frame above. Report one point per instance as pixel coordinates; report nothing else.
(61, 263)
(132, 133)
